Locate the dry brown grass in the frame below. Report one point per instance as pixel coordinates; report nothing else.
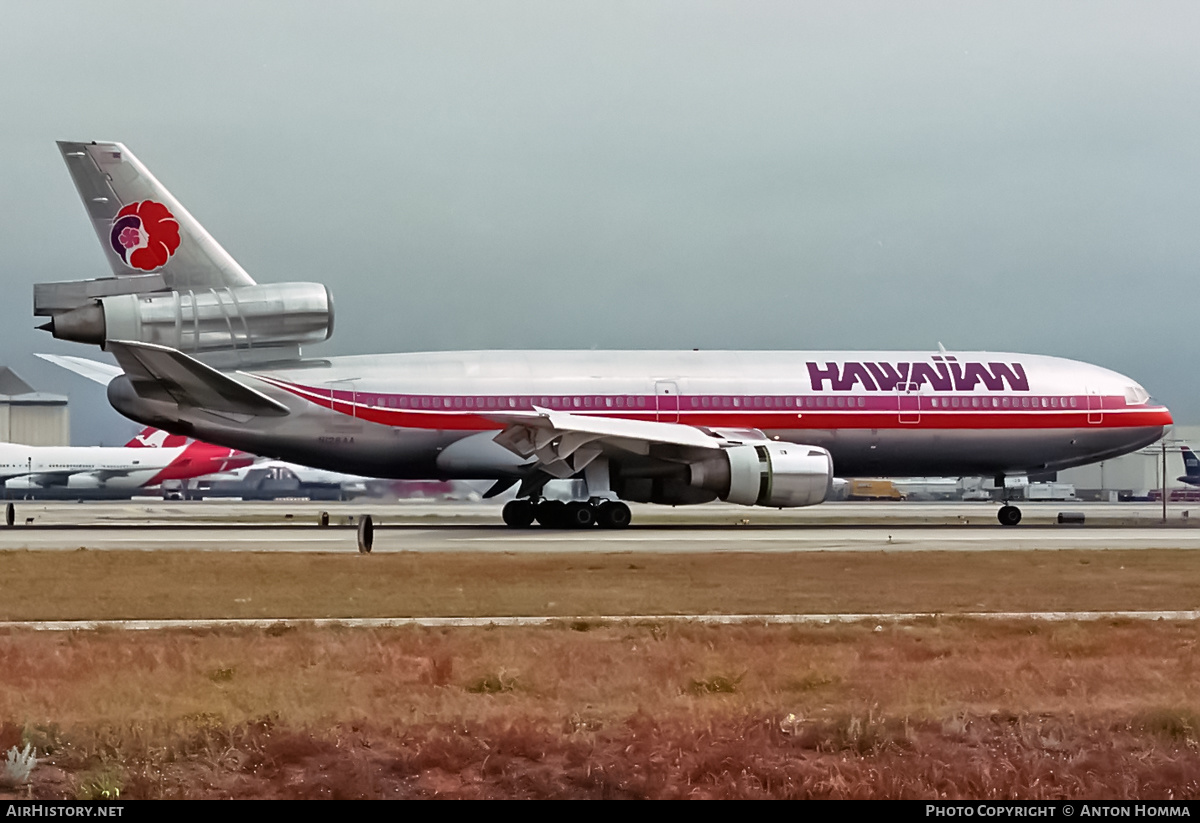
(94, 585)
(940, 708)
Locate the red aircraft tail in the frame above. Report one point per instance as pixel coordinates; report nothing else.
(152, 438)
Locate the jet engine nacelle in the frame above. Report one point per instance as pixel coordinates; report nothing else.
(278, 314)
(780, 475)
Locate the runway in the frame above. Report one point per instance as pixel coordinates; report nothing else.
(292, 526)
(605, 620)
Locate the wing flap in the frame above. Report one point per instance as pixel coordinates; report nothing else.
(564, 444)
(160, 373)
(529, 432)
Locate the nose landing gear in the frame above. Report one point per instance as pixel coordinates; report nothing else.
(1008, 515)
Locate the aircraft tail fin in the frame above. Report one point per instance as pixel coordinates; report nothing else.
(142, 228)
(152, 438)
(1191, 463)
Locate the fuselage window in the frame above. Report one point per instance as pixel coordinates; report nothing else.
(641, 402)
(974, 402)
(587, 402)
(1074, 404)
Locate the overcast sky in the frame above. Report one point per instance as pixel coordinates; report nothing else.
(860, 175)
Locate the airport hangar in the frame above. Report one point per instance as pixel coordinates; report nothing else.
(31, 417)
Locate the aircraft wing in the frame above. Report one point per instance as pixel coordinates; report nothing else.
(565, 443)
(44, 478)
(159, 373)
(93, 370)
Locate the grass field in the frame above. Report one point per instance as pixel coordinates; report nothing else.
(945, 707)
(91, 585)
(942, 708)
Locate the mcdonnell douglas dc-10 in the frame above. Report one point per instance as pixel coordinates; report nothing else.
(209, 353)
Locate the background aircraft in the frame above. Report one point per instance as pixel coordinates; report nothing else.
(1191, 467)
(208, 352)
(149, 459)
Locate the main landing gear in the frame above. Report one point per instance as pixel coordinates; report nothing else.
(555, 514)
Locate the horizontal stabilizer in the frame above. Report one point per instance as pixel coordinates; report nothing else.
(161, 373)
(93, 370)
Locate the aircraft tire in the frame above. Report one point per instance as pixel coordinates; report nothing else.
(549, 514)
(613, 515)
(579, 515)
(518, 514)
(366, 534)
(10, 514)
(1009, 515)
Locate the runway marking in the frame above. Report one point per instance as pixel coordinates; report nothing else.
(473, 622)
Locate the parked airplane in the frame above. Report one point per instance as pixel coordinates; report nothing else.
(150, 458)
(233, 472)
(209, 353)
(1191, 467)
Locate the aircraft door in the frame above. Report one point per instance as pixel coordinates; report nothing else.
(343, 397)
(666, 398)
(1095, 407)
(908, 402)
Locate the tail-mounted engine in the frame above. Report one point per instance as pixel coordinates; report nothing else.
(770, 473)
(200, 320)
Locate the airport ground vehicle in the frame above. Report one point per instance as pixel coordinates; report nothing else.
(208, 352)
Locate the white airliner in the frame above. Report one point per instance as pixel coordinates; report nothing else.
(209, 353)
(152, 457)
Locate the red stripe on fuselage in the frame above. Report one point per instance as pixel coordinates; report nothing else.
(1112, 412)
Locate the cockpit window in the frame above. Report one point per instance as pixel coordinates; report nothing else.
(1135, 395)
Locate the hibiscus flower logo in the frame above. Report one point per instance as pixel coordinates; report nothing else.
(144, 235)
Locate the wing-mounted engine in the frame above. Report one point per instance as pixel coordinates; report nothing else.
(770, 473)
(199, 320)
